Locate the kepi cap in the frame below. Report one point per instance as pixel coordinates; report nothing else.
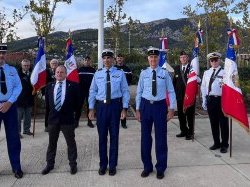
(183, 53)
(153, 51)
(213, 55)
(3, 47)
(107, 52)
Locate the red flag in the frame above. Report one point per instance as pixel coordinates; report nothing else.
(232, 99)
(70, 63)
(38, 75)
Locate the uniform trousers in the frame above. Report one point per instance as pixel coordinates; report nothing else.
(79, 109)
(108, 121)
(12, 136)
(156, 114)
(25, 114)
(69, 134)
(186, 119)
(219, 123)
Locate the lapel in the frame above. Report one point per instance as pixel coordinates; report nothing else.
(68, 84)
(52, 93)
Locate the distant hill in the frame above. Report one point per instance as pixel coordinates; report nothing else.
(85, 40)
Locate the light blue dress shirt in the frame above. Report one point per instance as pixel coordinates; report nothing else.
(119, 86)
(163, 85)
(13, 84)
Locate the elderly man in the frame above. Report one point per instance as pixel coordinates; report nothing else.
(151, 108)
(109, 91)
(211, 89)
(25, 100)
(10, 88)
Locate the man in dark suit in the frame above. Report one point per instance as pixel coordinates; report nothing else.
(62, 98)
(180, 82)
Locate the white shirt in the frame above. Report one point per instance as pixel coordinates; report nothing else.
(216, 87)
(63, 91)
(184, 66)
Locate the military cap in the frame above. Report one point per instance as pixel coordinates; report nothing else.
(87, 58)
(107, 52)
(213, 55)
(120, 55)
(3, 47)
(153, 51)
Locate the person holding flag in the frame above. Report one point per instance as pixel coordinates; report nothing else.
(232, 98)
(211, 89)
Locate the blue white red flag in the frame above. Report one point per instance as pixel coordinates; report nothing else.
(38, 75)
(70, 63)
(193, 79)
(232, 101)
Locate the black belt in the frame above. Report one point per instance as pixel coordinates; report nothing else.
(153, 102)
(116, 100)
(215, 96)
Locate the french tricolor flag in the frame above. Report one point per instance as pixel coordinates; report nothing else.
(70, 63)
(38, 75)
(232, 101)
(193, 79)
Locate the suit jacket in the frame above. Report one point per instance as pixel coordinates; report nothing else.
(65, 116)
(180, 81)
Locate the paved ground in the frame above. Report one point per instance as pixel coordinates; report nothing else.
(189, 163)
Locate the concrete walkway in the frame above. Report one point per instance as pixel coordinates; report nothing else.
(189, 163)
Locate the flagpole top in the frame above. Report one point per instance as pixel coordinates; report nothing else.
(231, 22)
(69, 33)
(199, 24)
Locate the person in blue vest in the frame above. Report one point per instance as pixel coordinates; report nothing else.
(10, 89)
(109, 91)
(151, 108)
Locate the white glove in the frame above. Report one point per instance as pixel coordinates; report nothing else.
(204, 105)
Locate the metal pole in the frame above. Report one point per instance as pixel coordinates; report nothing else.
(230, 121)
(100, 33)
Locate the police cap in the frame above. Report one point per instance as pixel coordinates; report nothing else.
(153, 51)
(3, 47)
(213, 55)
(107, 52)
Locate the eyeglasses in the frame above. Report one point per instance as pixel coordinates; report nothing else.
(214, 60)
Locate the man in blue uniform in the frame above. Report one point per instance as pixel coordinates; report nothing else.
(151, 108)
(109, 91)
(10, 88)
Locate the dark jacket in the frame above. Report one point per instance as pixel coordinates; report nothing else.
(127, 72)
(180, 81)
(86, 75)
(25, 99)
(65, 116)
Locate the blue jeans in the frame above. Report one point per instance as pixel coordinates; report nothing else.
(25, 114)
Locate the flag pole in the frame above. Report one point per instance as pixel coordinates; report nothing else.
(230, 122)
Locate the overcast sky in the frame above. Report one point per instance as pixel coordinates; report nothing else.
(83, 14)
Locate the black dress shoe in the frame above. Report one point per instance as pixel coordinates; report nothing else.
(223, 149)
(18, 174)
(160, 175)
(28, 133)
(90, 124)
(124, 126)
(73, 170)
(189, 137)
(47, 169)
(180, 135)
(112, 172)
(102, 171)
(145, 173)
(214, 147)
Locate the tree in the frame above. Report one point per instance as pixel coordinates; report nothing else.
(42, 14)
(8, 25)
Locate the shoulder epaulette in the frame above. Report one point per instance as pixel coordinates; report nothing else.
(99, 69)
(163, 68)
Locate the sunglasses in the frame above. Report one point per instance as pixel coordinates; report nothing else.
(214, 60)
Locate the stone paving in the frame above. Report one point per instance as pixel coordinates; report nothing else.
(189, 163)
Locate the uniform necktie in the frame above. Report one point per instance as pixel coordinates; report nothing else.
(108, 88)
(58, 97)
(154, 92)
(211, 81)
(3, 83)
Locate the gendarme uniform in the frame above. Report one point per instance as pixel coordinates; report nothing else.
(10, 88)
(108, 112)
(211, 89)
(153, 110)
